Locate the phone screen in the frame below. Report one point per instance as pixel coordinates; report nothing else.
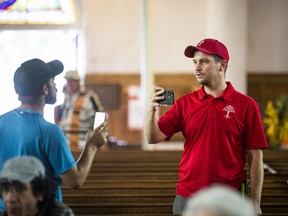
(99, 118)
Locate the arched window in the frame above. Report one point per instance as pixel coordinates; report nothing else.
(59, 12)
(38, 29)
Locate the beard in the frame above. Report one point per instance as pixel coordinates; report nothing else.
(202, 81)
(50, 100)
(50, 97)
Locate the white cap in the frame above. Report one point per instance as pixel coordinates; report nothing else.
(23, 169)
(219, 200)
(72, 75)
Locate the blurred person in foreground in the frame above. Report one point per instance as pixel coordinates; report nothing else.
(78, 110)
(222, 129)
(26, 191)
(24, 131)
(218, 200)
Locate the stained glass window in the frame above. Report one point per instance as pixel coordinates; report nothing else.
(55, 12)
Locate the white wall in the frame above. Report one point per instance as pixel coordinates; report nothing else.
(114, 34)
(267, 36)
(178, 23)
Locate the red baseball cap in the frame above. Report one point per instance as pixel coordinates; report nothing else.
(209, 46)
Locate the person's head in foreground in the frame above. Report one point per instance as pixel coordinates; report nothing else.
(24, 188)
(218, 200)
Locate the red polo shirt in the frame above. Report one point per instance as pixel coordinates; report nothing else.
(218, 132)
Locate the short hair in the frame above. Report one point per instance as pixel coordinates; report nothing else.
(219, 200)
(35, 97)
(45, 187)
(218, 59)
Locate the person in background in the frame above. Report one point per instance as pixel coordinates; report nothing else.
(24, 131)
(58, 110)
(222, 128)
(218, 200)
(78, 111)
(26, 190)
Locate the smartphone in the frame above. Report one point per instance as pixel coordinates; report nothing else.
(169, 97)
(100, 117)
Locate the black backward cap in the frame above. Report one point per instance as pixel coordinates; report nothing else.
(33, 74)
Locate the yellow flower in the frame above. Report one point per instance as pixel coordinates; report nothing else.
(276, 121)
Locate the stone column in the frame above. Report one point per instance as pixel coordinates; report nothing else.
(146, 73)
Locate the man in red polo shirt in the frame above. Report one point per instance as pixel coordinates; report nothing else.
(222, 127)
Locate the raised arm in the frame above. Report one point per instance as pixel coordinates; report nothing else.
(77, 175)
(153, 133)
(256, 172)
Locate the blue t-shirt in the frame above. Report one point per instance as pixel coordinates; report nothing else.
(25, 132)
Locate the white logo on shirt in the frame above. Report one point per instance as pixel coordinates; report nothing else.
(229, 109)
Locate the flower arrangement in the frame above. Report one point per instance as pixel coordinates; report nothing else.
(276, 121)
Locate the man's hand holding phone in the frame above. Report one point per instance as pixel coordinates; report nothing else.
(164, 97)
(98, 136)
(100, 117)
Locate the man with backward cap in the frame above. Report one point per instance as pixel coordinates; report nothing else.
(222, 128)
(24, 131)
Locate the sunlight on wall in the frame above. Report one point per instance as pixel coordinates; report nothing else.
(19, 46)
